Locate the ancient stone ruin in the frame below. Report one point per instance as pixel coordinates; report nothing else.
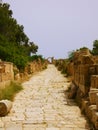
(6, 73)
(5, 107)
(84, 71)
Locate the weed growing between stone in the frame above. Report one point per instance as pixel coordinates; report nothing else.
(9, 91)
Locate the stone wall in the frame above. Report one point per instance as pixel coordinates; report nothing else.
(6, 73)
(70, 69)
(9, 73)
(30, 69)
(85, 78)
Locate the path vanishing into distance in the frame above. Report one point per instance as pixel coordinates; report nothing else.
(43, 105)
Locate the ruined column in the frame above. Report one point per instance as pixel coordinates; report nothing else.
(5, 107)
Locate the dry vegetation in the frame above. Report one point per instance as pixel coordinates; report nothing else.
(10, 91)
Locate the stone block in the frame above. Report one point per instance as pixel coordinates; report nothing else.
(5, 107)
(96, 67)
(90, 111)
(1, 124)
(92, 70)
(97, 101)
(94, 81)
(94, 116)
(13, 126)
(84, 69)
(92, 95)
(85, 105)
(52, 128)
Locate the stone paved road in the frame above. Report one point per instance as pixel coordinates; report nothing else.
(42, 105)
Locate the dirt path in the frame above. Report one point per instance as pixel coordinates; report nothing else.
(42, 105)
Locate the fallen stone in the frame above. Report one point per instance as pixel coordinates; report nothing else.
(5, 107)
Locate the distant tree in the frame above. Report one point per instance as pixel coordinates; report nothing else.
(14, 43)
(95, 48)
(36, 58)
(33, 48)
(9, 26)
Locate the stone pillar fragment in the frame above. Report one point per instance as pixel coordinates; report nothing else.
(5, 107)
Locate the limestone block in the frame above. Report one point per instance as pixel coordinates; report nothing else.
(96, 68)
(97, 101)
(81, 75)
(85, 105)
(90, 111)
(84, 69)
(96, 125)
(92, 70)
(94, 116)
(17, 76)
(5, 107)
(94, 81)
(95, 119)
(92, 95)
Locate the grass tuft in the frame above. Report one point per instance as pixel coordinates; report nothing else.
(10, 91)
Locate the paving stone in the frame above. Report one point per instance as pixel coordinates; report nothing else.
(6, 119)
(13, 126)
(1, 124)
(29, 128)
(52, 128)
(67, 128)
(80, 128)
(2, 128)
(40, 128)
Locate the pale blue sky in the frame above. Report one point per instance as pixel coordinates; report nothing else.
(58, 26)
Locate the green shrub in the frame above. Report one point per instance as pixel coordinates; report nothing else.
(9, 91)
(36, 58)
